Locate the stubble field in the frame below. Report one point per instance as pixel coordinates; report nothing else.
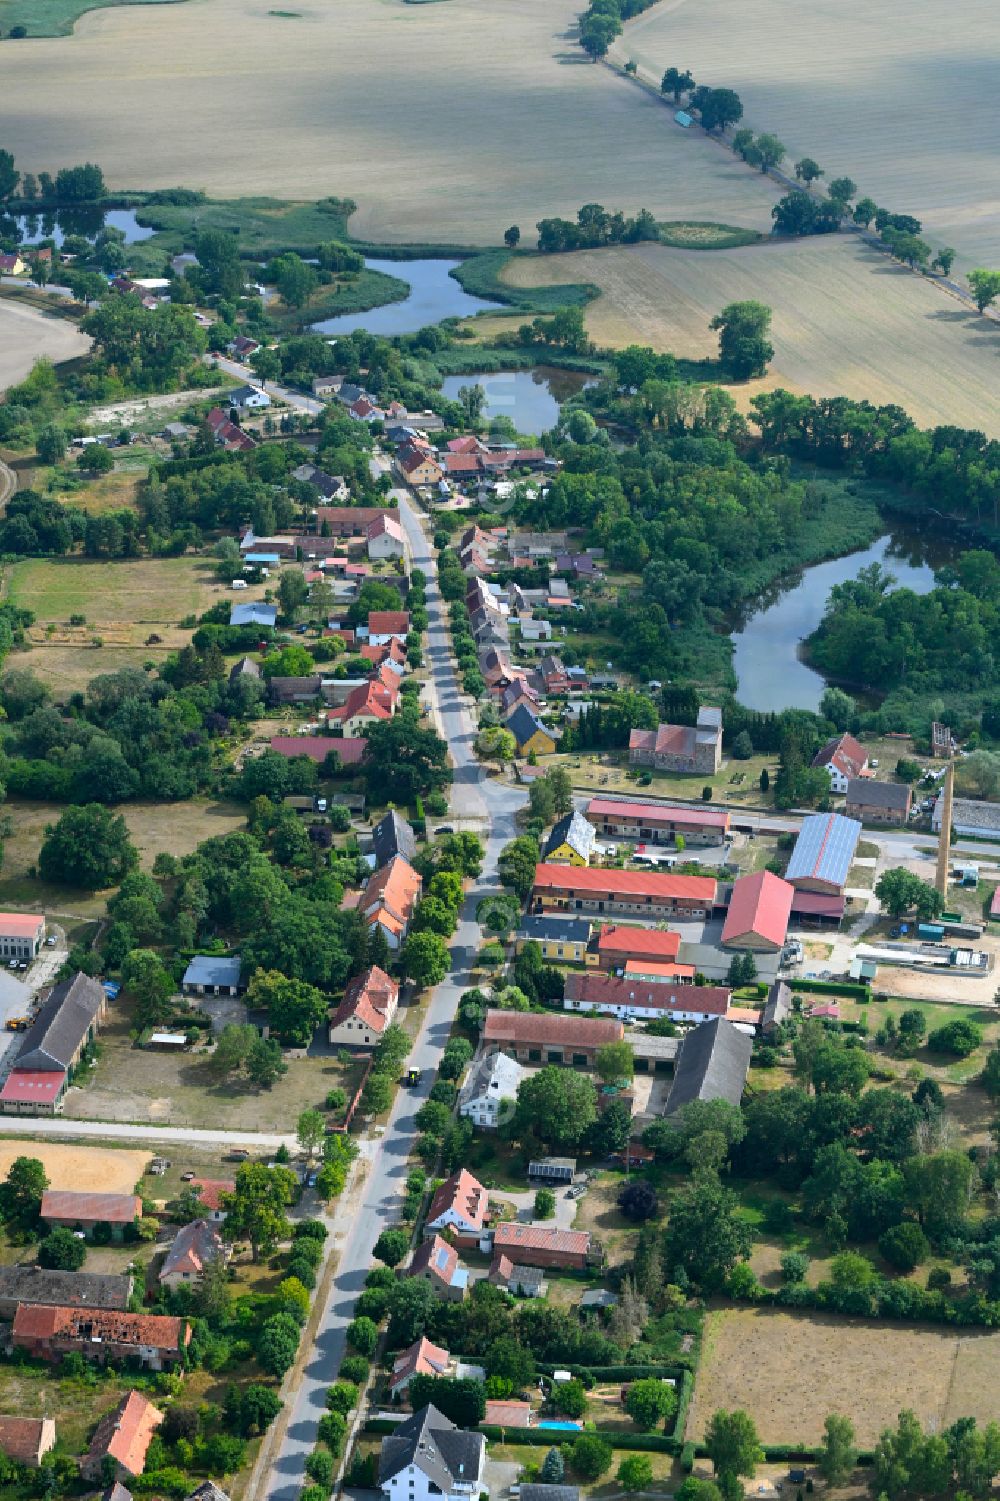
(847, 320)
(791, 1370)
(27, 335)
(900, 96)
(444, 122)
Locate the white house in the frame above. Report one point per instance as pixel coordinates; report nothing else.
(427, 1456)
(461, 1205)
(247, 398)
(843, 759)
(491, 1086)
(636, 1000)
(385, 538)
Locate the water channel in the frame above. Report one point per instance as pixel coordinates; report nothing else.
(771, 674)
(434, 295)
(530, 398)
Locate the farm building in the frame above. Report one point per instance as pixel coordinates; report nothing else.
(572, 841)
(615, 944)
(21, 935)
(53, 1045)
(877, 802)
(680, 747)
(349, 750)
(611, 995)
(713, 1065)
(981, 820)
(213, 974)
(154, 1340)
(350, 521)
(36, 1284)
(63, 1208)
(252, 613)
(368, 1006)
(568, 888)
(843, 759)
(657, 823)
(560, 938)
(655, 972)
(758, 914)
(122, 1438)
(541, 1245)
(823, 853)
(27, 1440)
(550, 1037)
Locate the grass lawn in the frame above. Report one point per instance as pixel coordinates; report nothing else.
(736, 783)
(133, 591)
(666, 1470)
(56, 17)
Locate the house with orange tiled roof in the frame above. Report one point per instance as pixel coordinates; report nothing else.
(370, 703)
(100, 1334)
(27, 1440)
(389, 899)
(462, 1206)
(210, 1192)
(368, 1006)
(421, 1359)
(123, 1436)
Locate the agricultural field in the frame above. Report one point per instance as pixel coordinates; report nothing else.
(84, 1168)
(27, 334)
(791, 1369)
(869, 91)
(477, 112)
(847, 320)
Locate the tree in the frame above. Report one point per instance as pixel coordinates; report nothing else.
(569, 1398)
(649, 1401)
(899, 890)
(590, 1457)
(145, 978)
(61, 1251)
(959, 1038)
(231, 1050)
(294, 1008)
(432, 915)
(404, 761)
(511, 237)
(377, 1096)
(732, 1444)
(516, 865)
(391, 1247)
(50, 444)
(311, 1130)
(744, 349)
(944, 260)
(295, 280)
(425, 959)
(704, 1235)
(342, 1397)
(637, 1200)
(496, 744)
(904, 1246)
(555, 1106)
(838, 1455)
(912, 1028)
(768, 152)
(794, 1266)
(841, 190)
(255, 1210)
(614, 1062)
(462, 1399)
(277, 1344)
(677, 83)
(597, 32)
(985, 287)
(88, 847)
(259, 1406)
(362, 1335)
(553, 1468)
(807, 170)
(9, 175)
(264, 1063)
(718, 108)
(21, 1193)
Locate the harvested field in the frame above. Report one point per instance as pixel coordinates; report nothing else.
(755, 1359)
(444, 122)
(847, 320)
(869, 91)
(87, 1169)
(130, 593)
(27, 335)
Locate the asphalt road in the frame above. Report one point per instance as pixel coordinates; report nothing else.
(474, 797)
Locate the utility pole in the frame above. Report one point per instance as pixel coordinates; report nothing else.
(944, 838)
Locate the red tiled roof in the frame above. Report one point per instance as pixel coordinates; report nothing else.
(210, 1190)
(24, 1439)
(371, 997)
(34, 1321)
(552, 1029)
(617, 990)
(372, 700)
(651, 943)
(125, 1434)
(600, 808)
(108, 1209)
(625, 883)
(515, 1237)
(465, 1195)
(761, 905)
(508, 1414)
(392, 891)
(20, 924)
(388, 622)
(26, 1086)
(421, 1359)
(637, 969)
(350, 748)
(843, 752)
(437, 1256)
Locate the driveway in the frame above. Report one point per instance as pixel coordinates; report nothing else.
(524, 1203)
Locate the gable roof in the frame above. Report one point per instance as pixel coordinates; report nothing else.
(55, 1037)
(125, 1433)
(157, 1331)
(371, 997)
(495, 1076)
(713, 1064)
(867, 793)
(639, 943)
(761, 904)
(388, 622)
(463, 1194)
(193, 1247)
(625, 883)
(594, 988)
(26, 1440)
(551, 1029)
(613, 807)
(214, 969)
(421, 1359)
(210, 1190)
(253, 614)
(824, 849)
(844, 754)
(385, 526)
(439, 1258)
(523, 723)
(514, 1236)
(391, 893)
(36, 1284)
(574, 830)
(392, 835)
(431, 1442)
(101, 1208)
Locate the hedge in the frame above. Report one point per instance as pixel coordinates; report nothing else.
(654, 1443)
(860, 993)
(685, 1389)
(613, 1372)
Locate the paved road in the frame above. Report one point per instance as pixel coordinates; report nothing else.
(474, 796)
(280, 393)
(39, 1125)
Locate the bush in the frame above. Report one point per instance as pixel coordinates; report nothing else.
(341, 1397)
(353, 1368)
(687, 1458)
(61, 1251)
(590, 1457)
(904, 1246)
(959, 1038)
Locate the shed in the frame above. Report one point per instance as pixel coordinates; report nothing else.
(213, 974)
(552, 1170)
(171, 1041)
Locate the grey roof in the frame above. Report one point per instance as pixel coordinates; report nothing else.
(868, 794)
(246, 667)
(392, 835)
(198, 1237)
(550, 1493)
(496, 1075)
(574, 830)
(253, 614)
(35, 1284)
(208, 1491)
(432, 1443)
(214, 969)
(824, 849)
(555, 929)
(523, 724)
(777, 1006)
(599, 1297)
(713, 1065)
(53, 1040)
(652, 1048)
(117, 1492)
(967, 812)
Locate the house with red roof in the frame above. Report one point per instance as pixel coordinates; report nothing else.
(550, 1036)
(656, 823)
(460, 1205)
(210, 1193)
(571, 888)
(758, 915)
(385, 538)
(122, 1436)
(421, 1359)
(842, 758)
(100, 1334)
(27, 1440)
(614, 944)
(630, 999)
(227, 434)
(541, 1245)
(193, 1249)
(680, 747)
(369, 703)
(368, 1006)
(389, 898)
(349, 748)
(418, 466)
(365, 410)
(437, 1263)
(386, 625)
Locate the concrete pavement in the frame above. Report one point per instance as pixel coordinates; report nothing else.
(59, 1126)
(476, 798)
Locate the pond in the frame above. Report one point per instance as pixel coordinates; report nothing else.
(79, 221)
(434, 295)
(530, 398)
(769, 670)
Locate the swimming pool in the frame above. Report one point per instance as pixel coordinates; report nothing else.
(570, 1427)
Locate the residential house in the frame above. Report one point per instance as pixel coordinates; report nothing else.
(823, 853)
(370, 703)
(386, 625)
(122, 1436)
(329, 486)
(437, 1263)
(758, 914)
(533, 630)
(713, 1065)
(194, 1247)
(418, 466)
(392, 835)
(460, 1205)
(563, 888)
(522, 1282)
(226, 432)
(214, 974)
(421, 1359)
(530, 734)
(542, 1245)
(326, 387)
(656, 823)
(680, 747)
(572, 842)
(385, 538)
(842, 758)
(241, 348)
(552, 673)
(31, 1283)
(614, 945)
(365, 410)
(65, 1025)
(65, 1209)
(26, 1440)
(561, 939)
(389, 898)
(550, 1036)
(21, 936)
(392, 655)
(427, 1456)
(877, 802)
(490, 1089)
(254, 613)
(777, 1008)
(369, 1005)
(11, 264)
(207, 1491)
(245, 668)
(211, 1193)
(516, 693)
(631, 999)
(154, 1340)
(978, 819)
(247, 399)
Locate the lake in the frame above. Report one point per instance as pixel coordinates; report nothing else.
(433, 295)
(79, 221)
(769, 670)
(530, 398)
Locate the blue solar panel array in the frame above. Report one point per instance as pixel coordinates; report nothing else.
(824, 849)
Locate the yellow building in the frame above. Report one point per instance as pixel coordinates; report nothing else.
(562, 940)
(572, 841)
(529, 733)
